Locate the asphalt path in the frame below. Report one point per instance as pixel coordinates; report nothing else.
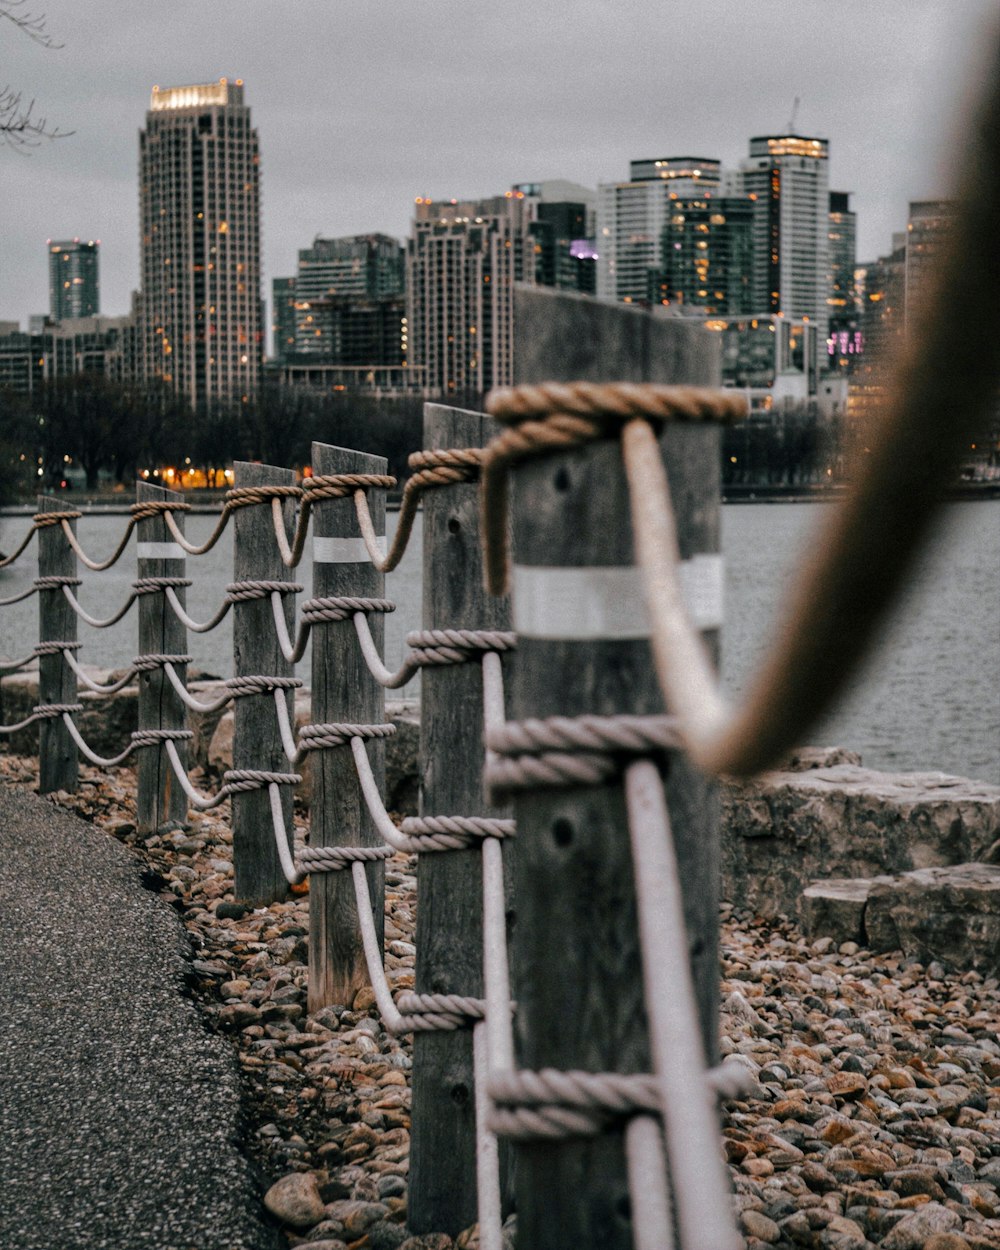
(119, 1111)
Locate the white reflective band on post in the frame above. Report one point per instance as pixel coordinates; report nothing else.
(343, 550)
(159, 551)
(585, 604)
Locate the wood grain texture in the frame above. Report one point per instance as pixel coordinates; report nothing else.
(256, 739)
(57, 752)
(442, 1196)
(576, 952)
(160, 797)
(343, 690)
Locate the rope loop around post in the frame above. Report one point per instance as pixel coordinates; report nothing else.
(573, 751)
(557, 416)
(343, 485)
(55, 648)
(151, 585)
(49, 711)
(247, 496)
(42, 520)
(324, 737)
(55, 583)
(239, 780)
(149, 663)
(146, 509)
(337, 858)
(456, 646)
(248, 684)
(244, 592)
(341, 608)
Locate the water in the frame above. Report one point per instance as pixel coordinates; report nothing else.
(927, 700)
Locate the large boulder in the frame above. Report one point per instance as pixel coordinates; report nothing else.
(950, 914)
(785, 829)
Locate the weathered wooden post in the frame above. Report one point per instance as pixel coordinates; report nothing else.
(442, 1195)
(256, 652)
(344, 691)
(160, 797)
(583, 648)
(58, 759)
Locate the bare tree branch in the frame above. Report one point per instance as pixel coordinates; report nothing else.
(31, 24)
(20, 127)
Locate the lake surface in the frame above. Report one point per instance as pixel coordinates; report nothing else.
(929, 698)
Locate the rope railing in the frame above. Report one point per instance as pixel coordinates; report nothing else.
(601, 763)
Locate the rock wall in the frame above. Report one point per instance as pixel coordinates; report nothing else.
(783, 830)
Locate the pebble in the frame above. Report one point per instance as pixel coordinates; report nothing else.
(872, 1118)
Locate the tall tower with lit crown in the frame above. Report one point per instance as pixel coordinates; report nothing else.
(789, 177)
(199, 207)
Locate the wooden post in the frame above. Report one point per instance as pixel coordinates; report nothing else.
(58, 761)
(576, 952)
(256, 737)
(343, 690)
(160, 797)
(442, 1196)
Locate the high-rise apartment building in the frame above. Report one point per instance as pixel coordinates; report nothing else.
(926, 230)
(844, 339)
(199, 202)
(336, 275)
(74, 284)
(632, 217)
(789, 177)
(462, 260)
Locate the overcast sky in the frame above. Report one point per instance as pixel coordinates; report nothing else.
(362, 106)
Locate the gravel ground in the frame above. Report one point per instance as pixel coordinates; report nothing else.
(872, 1117)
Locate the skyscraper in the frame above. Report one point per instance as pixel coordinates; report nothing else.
(462, 261)
(789, 176)
(73, 279)
(844, 341)
(199, 202)
(632, 217)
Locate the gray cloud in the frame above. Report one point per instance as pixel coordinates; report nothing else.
(362, 107)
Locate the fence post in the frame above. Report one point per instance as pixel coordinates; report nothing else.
(160, 797)
(256, 737)
(58, 758)
(442, 1195)
(576, 955)
(343, 690)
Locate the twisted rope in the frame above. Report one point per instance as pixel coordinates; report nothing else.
(147, 509)
(343, 485)
(240, 780)
(55, 582)
(147, 663)
(156, 737)
(249, 684)
(433, 468)
(44, 520)
(456, 646)
(49, 711)
(452, 833)
(458, 1006)
(322, 737)
(24, 594)
(150, 585)
(557, 416)
(52, 647)
(552, 1105)
(245, 592)
(572, 751)
(337, 858)
(341, 608)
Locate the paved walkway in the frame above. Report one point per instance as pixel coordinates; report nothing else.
(119, 1112)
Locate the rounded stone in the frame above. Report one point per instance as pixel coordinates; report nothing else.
(295, 1200)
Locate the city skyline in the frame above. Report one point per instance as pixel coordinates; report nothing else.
(347, 149)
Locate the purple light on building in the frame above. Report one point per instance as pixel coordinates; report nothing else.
(583, 249)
